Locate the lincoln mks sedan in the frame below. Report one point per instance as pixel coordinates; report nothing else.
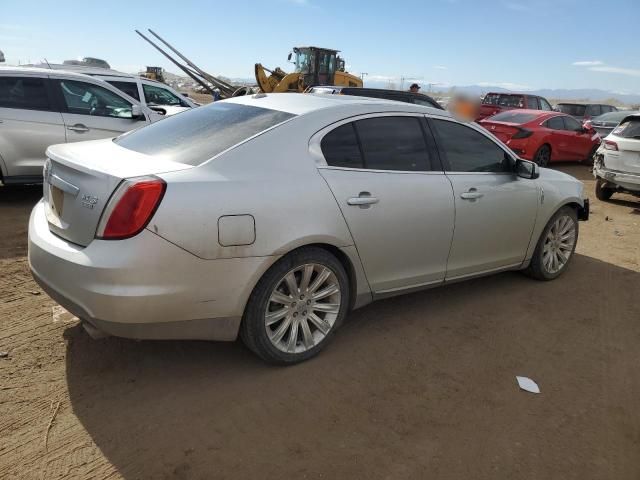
(270, 217)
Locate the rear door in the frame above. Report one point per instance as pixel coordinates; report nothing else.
(91, 111)
(394, 196)
(495, 209)
(29, 123)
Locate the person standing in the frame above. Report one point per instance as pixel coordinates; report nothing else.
(414, 88)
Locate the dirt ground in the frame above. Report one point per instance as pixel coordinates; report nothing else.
(420, 386)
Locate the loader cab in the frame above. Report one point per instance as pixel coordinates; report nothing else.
(318, 65)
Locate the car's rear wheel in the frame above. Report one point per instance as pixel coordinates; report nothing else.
(296, 307)
(603, 192)
(543, 156)
(556, 245)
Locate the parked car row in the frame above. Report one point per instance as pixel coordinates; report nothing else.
(41, 107)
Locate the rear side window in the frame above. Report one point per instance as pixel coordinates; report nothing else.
(381, 143)
(193, 137)
(628, 129)
(467, 150)
(340, 147)
(393, 143)
(130, 88)
(555, 123)
(513, 116)
(24, 92)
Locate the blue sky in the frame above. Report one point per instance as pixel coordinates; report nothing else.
(517, 44)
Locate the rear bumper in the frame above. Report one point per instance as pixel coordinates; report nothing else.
(143, 287)
(627, 181)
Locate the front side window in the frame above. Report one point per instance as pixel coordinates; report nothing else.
(195, 136)
(393, 143)
(88, 99)
(532, 103)
(594, 110)
(544, 105)
(130, 88)
(467, 150)
(161, 96)
(572, 109)
(24, 92)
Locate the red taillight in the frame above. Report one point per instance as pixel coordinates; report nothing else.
(131, 207)
(609, 145)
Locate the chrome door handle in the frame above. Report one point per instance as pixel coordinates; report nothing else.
(78, 127)
(363, 200)
(471, 194)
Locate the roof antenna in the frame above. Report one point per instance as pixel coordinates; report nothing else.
(47, 62)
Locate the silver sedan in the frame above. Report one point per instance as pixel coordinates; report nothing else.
(271, 216)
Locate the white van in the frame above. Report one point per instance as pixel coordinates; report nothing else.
(41, 107)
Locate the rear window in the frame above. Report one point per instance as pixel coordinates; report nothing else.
(195, 136)
(513, 117)
(504, 100)
(572, 109)
(628, 129)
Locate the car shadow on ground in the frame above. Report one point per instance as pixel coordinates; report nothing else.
(16, 202)
(416, 386)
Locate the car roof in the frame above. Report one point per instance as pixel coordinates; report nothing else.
(40, 71)
(300, 104)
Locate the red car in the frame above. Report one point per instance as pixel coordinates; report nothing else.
(494, 103)
(543, 136)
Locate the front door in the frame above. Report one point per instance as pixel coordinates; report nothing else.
(91, 111)
(495, 209)
(397, 202)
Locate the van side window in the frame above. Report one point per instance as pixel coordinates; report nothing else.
(24, 92)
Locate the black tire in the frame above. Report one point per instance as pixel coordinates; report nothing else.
(536, 268)
(589, 159)
(603, 192)
(543, 155)
(253, 329)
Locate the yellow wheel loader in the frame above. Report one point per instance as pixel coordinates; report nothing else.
(314, 66)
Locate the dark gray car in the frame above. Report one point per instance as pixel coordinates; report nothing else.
(605, 123)
(584, 111)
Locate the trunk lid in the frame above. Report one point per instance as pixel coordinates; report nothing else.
(487, 110)
(627, 158)
(502, 130)
(79, 179)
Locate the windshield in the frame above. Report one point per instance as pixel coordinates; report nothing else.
(572, 109)
(513, 117)
(504, 100)
(195, 136)
(304, 61)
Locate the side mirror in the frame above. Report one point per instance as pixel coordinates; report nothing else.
(136, 112)
(527, 169)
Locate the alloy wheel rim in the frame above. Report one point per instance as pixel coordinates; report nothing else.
(302, 308)
(559, 243)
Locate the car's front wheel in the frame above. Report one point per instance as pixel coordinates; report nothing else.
(296, 307)
(556, 245)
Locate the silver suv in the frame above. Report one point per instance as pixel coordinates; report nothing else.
(42, 107)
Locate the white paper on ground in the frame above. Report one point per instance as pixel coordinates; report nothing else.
(528, 385)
